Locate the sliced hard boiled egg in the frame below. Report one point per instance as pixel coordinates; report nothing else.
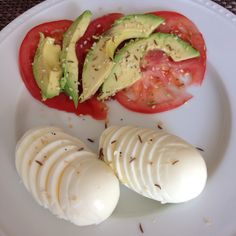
(158, 165)
(63, 175)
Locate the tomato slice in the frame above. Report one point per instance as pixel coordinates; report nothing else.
(56, 29)
(181, 26)
(164, 82)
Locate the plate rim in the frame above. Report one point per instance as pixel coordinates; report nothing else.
(219, 10)
(9, 28)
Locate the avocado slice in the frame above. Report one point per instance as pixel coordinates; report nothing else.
(46, 67)
(98, 63)
(69, 59)
(127, 69)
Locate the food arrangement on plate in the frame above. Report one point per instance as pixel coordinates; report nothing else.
(144, 61)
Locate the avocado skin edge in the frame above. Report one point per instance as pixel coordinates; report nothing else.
(69, 82)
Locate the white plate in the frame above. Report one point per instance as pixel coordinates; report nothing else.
(207, 121)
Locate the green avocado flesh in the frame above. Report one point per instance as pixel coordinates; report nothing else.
(98, 63)
(69, 59)
(46, 67)
(127, 68)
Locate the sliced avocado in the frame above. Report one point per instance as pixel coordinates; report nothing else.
(69, 59)
(127, 69)
(98, 63)
(131, 26)
(46, 67)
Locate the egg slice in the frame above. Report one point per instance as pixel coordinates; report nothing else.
(32, 143)
(157, 165)
(27, 139)
(40, 180)
(63, 175)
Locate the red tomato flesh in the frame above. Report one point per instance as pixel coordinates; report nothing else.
(161, 87)
(56, 29)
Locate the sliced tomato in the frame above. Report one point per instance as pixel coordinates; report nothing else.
(56, 29)
(158, 90)
(164, 82)
(181, 26)
(28, 48)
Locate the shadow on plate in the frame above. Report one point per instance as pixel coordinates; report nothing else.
(214, 158)
(132, 204)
